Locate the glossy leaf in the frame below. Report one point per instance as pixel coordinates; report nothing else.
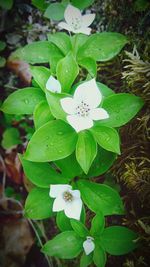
(66, 245)
(79, 228)
(38, 204)
(67, 71)
(72, 172)
(36, 52)
(55, 11)
(105, 90)
(53, 100)
(54, 140)
(118, 240)
(100, 198)
(22, 101)
(101, 163)
(99, 256)
(107, 137)
(86, 150)
(11, 138)
(63, 222)
(102, 46)
(86, 260)
(97, 225)
(82, 4)
(61, 40)
(42, 114)
(121, 109)
(90, 65)
(40, 75)
(41, 174)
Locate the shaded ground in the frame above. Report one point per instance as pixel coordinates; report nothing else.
(23, 24)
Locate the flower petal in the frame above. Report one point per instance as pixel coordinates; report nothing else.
(73, 209)
(88, 246)
(59, 204)
(65, 26)
(56, 190)
(71, 14)
(68, 104)
(76, 193)
(84, 30)
(89, 93)
(79, 123)
(98, 114)
(53, 85)
(87, 20)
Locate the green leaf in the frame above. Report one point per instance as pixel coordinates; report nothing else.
(40, 75)
(102, 46)
(72, 172)
(105, 90)
(89, 64)
(41, 174)
(22, 101)
(2, 45)
(2, 62)
(63, 222)
(55, 11)
(79, 228)
(37, 52)
(11, 137)
(86, 260)
(40, 4)
(121, 109)
(53, 100)
(66, 245)
(102, 162)
(67, 71)
(6, 4)
(107, 137)
(118, 240)
(42, 114)
(82, 4)
(97, 225)
(86, 150)
(61, 40)
(77, 41)
(38, 204)
(99, 256)
(54, 140)
(100, 198)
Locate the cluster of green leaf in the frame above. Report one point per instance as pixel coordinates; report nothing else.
(57, 154)
(55, 11)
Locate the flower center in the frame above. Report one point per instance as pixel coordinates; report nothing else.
(67, 196)
(76, 23)
(83, 109)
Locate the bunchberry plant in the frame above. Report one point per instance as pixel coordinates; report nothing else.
(76, 137)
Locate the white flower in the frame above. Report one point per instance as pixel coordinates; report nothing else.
(53, 85)
(66, 199)
(83, 107)
(75, 22)
(88, 245)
